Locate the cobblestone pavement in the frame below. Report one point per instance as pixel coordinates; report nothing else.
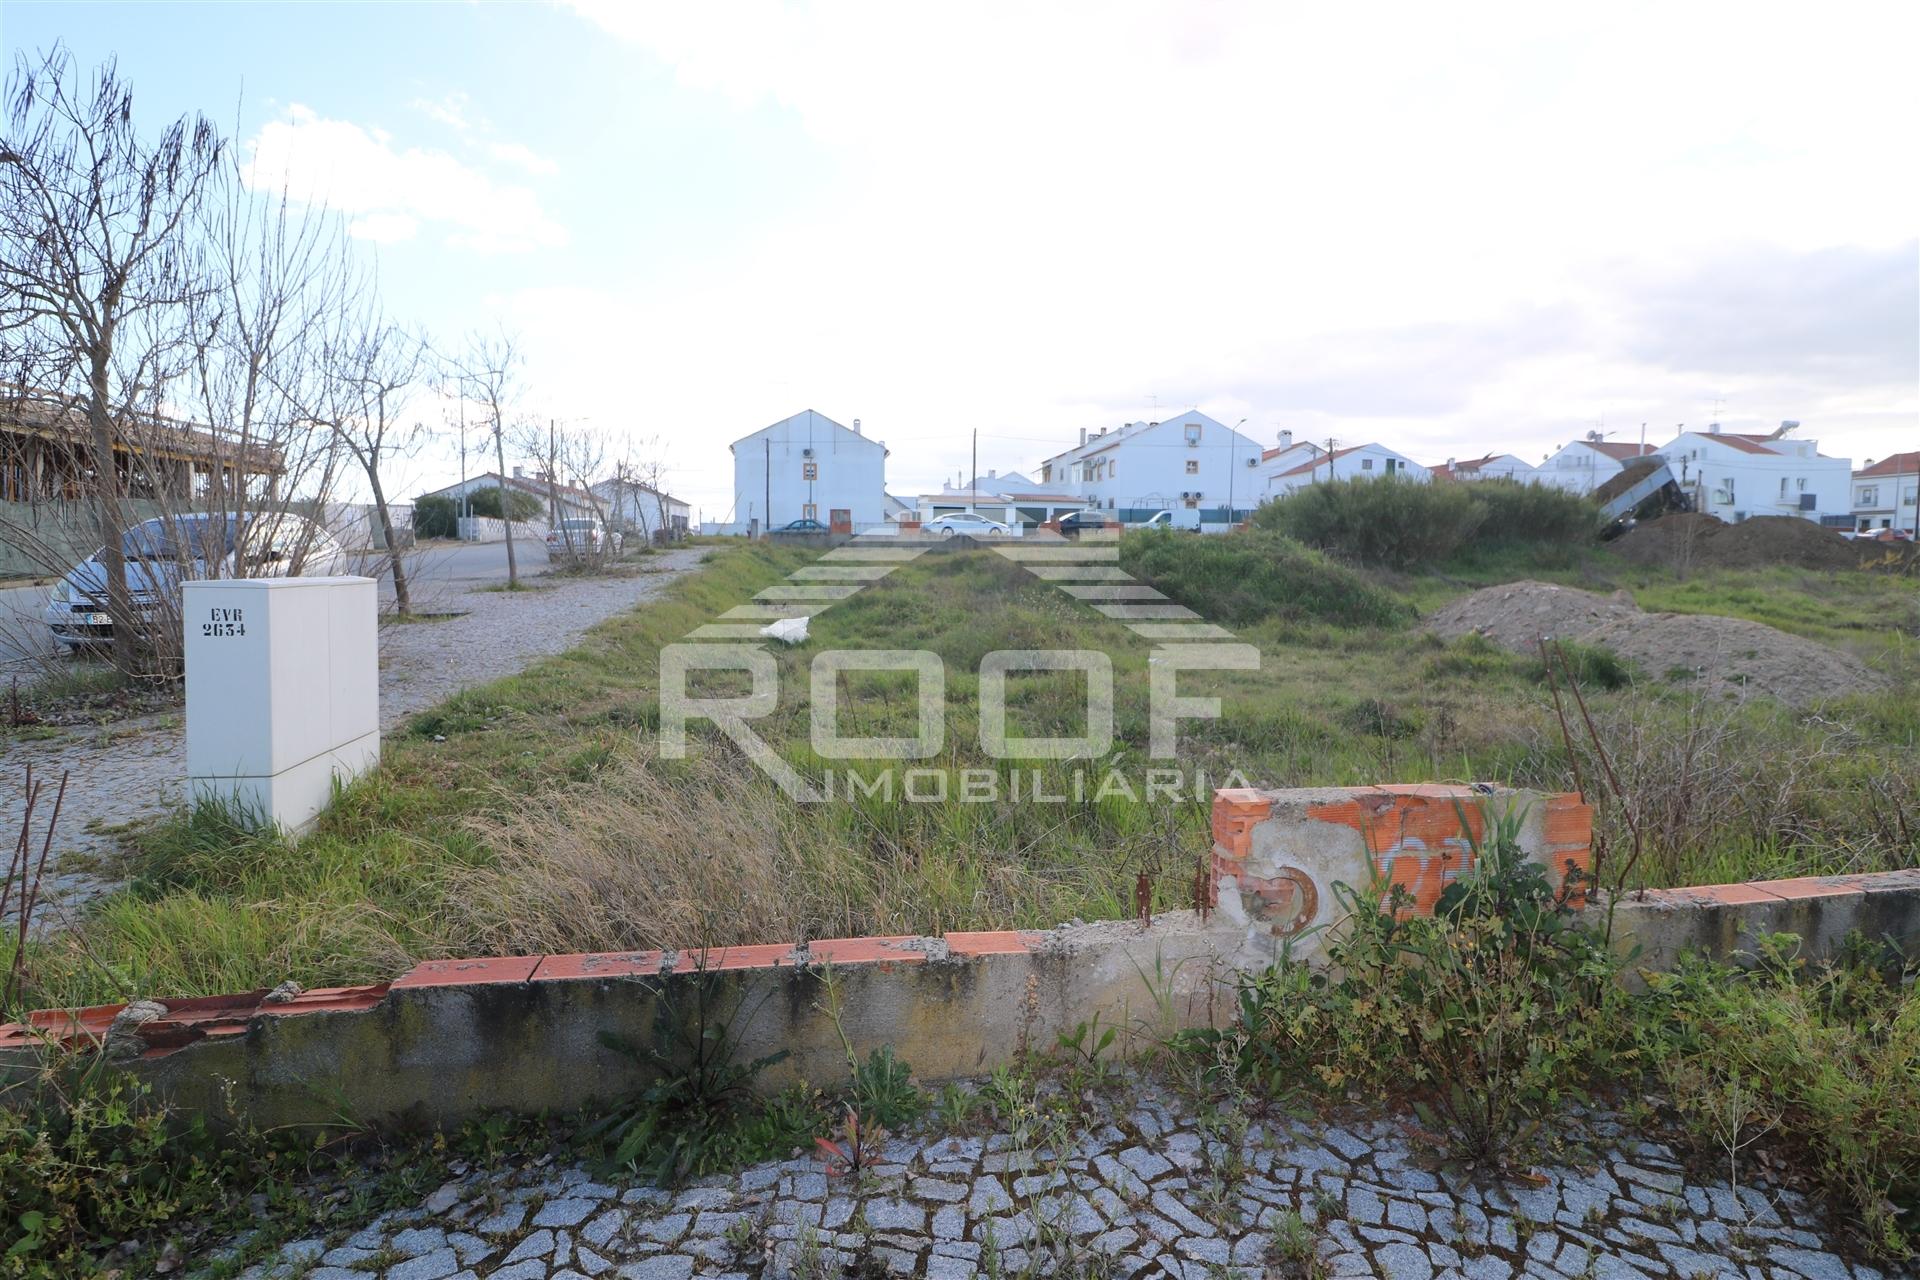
(1143, 1190)
(124, 772)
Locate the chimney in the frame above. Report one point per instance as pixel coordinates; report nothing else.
(1286, 439)
(856, 426)
(519, 473)
(991, 473)
(1449, 463)
(1713, 428)
(1083, 435)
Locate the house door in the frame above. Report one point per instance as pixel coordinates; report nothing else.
(840, 520)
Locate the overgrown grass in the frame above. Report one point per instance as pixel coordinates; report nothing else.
(1256, 575)
(546, 820)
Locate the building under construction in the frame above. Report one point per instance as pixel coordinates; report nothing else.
(46, 455)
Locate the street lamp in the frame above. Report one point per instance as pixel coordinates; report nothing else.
(1232, 461)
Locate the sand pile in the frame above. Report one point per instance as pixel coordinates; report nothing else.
(1689, 539)
(1715, 656)
(1517, 615)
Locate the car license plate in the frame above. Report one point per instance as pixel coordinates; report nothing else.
(96, 620)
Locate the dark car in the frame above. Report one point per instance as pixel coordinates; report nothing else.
(1072, 526)
(797, 528)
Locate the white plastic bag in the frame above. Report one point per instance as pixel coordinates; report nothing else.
(789, 630)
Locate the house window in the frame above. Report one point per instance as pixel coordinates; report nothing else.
(808, 511)
(1802, 482)
(1783, 486)
(1870, 496)
(1366, 464)
(809, 471)
(1193, 433)
(1390, 462)
(1193, 466)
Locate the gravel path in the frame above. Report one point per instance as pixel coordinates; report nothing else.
(129, 771)
(1142, 1190)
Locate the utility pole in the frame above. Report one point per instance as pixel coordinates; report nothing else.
(1233, 465)
(466, 503)
(973, 489)
(767, 515)
(553, 484)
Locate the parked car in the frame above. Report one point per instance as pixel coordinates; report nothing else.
(1092, 520)
(582, 535)
(800, 528)
(165, 551)
(965, 522)
(1158, 520)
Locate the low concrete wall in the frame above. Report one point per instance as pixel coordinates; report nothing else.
(1721, 920)
(453, 1037)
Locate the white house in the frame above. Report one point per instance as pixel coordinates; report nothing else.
(1494, 466)
(633, 505)
(563, 500)
(1886, 493)
(1585, 465)
(809, 467)
(1189, 463)
(1733, 476)
(1358, 462)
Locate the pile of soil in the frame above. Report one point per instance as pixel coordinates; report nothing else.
(1518, 615)
(1689, 539)
(1706, 654)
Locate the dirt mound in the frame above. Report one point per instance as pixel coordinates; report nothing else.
(1689, 540)
(1517, 615)
(1733, 658)
(1714, 656)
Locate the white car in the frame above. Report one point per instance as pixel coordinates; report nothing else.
(581, 536)
(162, 552)
(966, 522)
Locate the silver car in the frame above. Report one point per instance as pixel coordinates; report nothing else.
(163, 552)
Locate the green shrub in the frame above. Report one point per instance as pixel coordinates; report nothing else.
(486, 502)
(436, 517)
(1489, 1013)
(1253, 575)
(1402, 524)
(1532, 515)
(1825, 1061)
(1406, 524)
(1592, 666)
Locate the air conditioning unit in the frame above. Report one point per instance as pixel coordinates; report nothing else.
(1253, 462)
(806, 453)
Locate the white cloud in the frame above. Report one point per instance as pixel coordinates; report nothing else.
(389, 192)
(451, 110)
(1441, 225)
(518, 153)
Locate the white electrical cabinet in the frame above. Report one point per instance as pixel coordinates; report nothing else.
(283, 692)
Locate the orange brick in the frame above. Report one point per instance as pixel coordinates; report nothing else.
(462, 973)
(864, 951)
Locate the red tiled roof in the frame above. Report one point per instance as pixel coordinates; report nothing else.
(1899, 464)
(1619, 450)
(1323, 458)
(1448, 470)
(1745, 444)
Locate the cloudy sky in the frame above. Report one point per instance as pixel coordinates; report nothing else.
(1449, 228)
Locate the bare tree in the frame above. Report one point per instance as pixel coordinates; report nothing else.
(487, 373)
(377, 364)
(95, 265)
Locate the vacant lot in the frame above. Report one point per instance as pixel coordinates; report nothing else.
(535, 813)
